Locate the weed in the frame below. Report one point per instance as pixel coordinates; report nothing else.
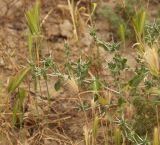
(124, 111)
(152, 32)
(156, 137)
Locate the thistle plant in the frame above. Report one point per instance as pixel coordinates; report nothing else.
(152, 32)
(108, 46)
(130, 134)
(141, 92)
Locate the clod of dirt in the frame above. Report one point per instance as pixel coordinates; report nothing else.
(3, 8)
(52, 30)
(86, 40)
(66, 29)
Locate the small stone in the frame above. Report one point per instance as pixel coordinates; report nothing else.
(66, 29)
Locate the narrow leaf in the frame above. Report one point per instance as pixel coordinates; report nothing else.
(16, 80)
(57, 85)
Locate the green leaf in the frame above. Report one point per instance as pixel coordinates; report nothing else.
(57, 85)
(110, 47)
(30, 44)
(122, 32)
(96, 85)
(16, 80)
(22, 94)
(19, 103)
(136, 80)
(14, 115)
(121, 101)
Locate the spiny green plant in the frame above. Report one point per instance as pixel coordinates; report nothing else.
(82, 69)
(140, 73)
(148, 74)
(97, 87)
(130, 134)
(152, 32)
(108, 46)
(145, 119)
(45, 68)
(117, 65)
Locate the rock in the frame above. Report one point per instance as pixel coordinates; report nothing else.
(52, 30)
(66, 29)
